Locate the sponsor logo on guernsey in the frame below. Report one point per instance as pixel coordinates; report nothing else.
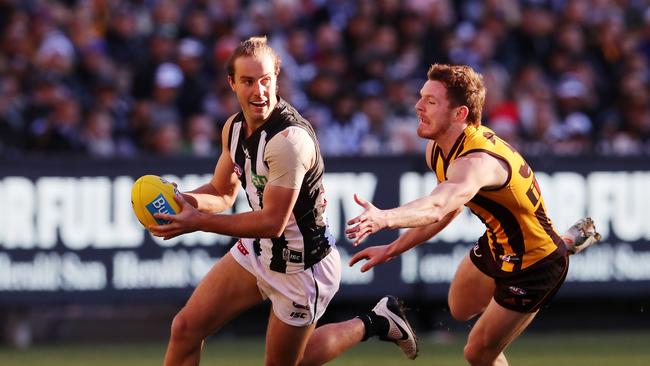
(242, 249)
(160, 205)
(238, 170)
(259, 181)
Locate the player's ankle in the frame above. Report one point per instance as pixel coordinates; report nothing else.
(373, 325)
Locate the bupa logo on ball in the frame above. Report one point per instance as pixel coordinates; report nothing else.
(160, 205)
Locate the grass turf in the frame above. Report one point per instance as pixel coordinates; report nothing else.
(575, 349)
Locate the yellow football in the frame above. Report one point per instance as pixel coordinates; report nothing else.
(152, 194)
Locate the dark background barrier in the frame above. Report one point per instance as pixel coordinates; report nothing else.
(75, 265)
(68, 234)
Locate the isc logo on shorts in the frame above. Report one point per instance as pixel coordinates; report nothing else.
(291, 256)
(298, 315)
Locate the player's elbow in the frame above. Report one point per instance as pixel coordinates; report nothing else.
(432, 216)
(444, 211)
(273, 229)
(227, 204)
(229, 199)
(276, 232)
(461, 197)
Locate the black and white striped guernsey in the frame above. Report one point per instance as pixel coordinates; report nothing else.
(306, 238)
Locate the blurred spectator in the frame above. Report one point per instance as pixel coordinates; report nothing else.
(98, 135)
(203, 137)
(166, 91)
(220, 103)
(500, 110)
(539, 122)
(161, 48)
(12, 124)
(564, 76)
(194, 85)
(197, 25)
(377, 114)
(107, 97)
(576, 125)
(165, 138)
(123, 42)
(345, 132)
(59, 130)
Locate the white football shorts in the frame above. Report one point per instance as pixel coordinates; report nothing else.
(298, 299)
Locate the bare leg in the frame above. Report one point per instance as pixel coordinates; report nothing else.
(470, 291)
(471, 294)
(331, 340)
(227, 290)
(386, 320)
(285, 344)
(492, 333)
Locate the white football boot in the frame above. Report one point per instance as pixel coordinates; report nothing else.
(580, 236)
(399, 329)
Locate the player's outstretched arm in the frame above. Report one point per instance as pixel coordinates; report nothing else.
(413, 237)
(465, 177)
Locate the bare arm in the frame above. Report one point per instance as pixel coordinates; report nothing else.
(268, 222)
(466, 176)
(413, 237)
(418, 235)
(287, 165)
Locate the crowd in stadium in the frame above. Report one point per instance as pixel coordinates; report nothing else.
(121, 78)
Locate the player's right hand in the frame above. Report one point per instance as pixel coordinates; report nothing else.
(374, 255)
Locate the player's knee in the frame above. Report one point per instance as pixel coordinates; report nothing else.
(477, 355)
(458, 313)
(181, 327)
(472, 355)
(270, 362)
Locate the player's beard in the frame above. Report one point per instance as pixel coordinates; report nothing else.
(434, 130)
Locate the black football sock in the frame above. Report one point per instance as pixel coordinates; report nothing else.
(374, 325)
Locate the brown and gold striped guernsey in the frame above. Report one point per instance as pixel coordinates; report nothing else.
(519, 231)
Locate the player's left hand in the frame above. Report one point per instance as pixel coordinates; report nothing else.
(182, 223)
(370, 221)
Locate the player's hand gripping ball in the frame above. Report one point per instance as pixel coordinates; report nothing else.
(152, 194)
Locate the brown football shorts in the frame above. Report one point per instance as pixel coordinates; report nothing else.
(526, 290)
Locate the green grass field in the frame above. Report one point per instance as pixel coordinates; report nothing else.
(575, 349)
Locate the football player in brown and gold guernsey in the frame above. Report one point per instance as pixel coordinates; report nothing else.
(521, 261)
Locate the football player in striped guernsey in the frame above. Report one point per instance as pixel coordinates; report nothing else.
(286, 252)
